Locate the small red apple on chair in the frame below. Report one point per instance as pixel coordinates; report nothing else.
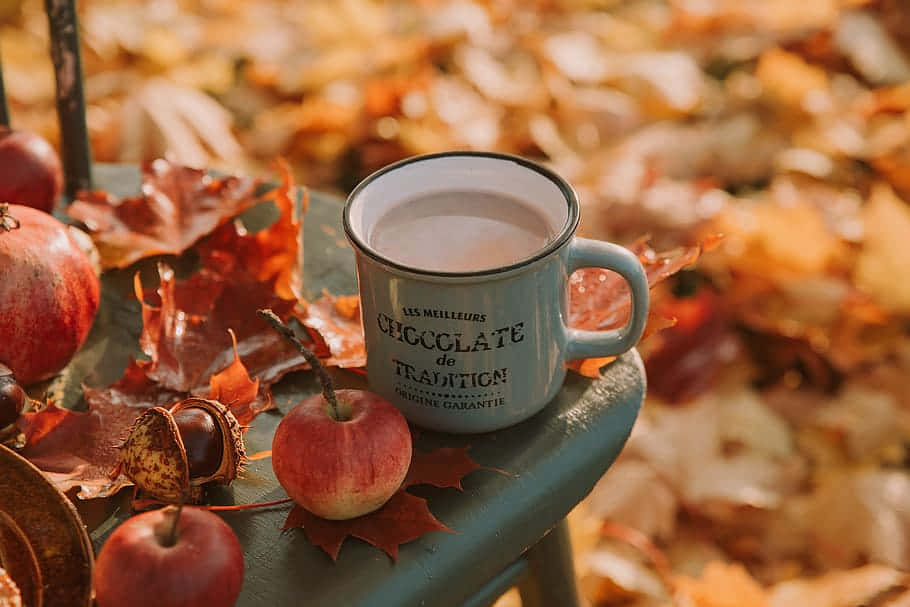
(173, 557)
(340, 454)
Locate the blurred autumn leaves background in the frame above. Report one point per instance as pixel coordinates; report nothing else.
(769, 464)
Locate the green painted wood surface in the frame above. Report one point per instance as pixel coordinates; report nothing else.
(555, 458)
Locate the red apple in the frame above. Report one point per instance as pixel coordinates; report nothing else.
(30, 171)
(142, 565)
(345, 464)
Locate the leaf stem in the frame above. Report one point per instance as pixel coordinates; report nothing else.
(236, 507)
(328, 388)
(149, 503)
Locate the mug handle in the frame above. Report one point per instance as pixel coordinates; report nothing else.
(586, 253)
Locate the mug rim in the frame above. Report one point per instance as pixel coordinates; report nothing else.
(568, 230)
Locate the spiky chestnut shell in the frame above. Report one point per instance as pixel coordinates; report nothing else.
(154, 455)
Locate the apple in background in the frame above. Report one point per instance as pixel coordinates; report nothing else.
(345, 462)
(30, 170)
(145, 564)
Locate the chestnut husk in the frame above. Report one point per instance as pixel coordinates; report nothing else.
(154, 456)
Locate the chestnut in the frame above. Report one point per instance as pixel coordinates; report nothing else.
(12, 397)
(171, 453)
(202, 440)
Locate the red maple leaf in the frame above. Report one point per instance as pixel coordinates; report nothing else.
(402, 519)
(187, 338)
(273, 255)
(185, 327)
(233, 388)
(178, 206)
(80, 449)
(443, 468)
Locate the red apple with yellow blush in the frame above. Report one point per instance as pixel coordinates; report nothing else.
(342, 453)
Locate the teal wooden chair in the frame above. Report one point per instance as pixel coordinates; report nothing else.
(510, 530)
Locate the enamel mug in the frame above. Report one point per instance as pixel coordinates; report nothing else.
(475, 351)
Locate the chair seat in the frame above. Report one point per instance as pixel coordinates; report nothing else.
(554, 458)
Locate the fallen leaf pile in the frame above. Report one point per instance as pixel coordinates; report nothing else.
(770, 459)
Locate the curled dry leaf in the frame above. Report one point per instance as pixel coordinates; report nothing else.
(164, 117)
(187, 338)
(861, 514)
(234, 388)
(178, 206)
(53, 533)
(337, 321)
(881, 268)
(599, 299)
(690, 355)
(273, 255)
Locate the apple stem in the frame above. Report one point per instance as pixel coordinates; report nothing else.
(8, 223)
(167, 530)
(328, 388)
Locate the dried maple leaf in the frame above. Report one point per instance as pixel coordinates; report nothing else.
(178, 206)
(80, 449)
(186, 347)
(402, 519)
(881, 269)
(441, 468)
(599, 299)
(337, 320)
(272, 255)
(233, 388)
(161, 116)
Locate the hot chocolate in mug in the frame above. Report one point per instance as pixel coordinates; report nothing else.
(463, 262)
